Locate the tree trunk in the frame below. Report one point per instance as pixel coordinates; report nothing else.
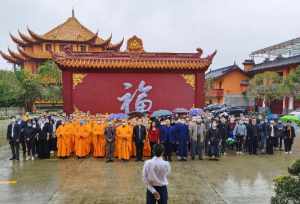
(284, 111)
(264, 102)
(291, 103)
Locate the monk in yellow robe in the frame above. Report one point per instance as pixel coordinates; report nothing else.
(124, 135)
(61, 145)
(82, 140)
(98, 139)
(147, 148)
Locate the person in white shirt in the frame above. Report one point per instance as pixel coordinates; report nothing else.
(155, 174)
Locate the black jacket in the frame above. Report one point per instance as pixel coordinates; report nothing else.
(16, 132)
(139, 135)
(288, 135)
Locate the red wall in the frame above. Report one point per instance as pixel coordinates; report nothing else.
(98, 92)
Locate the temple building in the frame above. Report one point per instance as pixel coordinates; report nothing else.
(32, 49)
(132, 80)
(227, 85)
(282, 58)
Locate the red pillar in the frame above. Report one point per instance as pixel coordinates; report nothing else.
(199, 90)
(67, 91)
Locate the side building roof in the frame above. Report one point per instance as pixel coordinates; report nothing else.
(276, 63)
(219, 72)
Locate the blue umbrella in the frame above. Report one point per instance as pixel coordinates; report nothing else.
(118, 116)
(273, 117)
(160, 113)
(196, 111)
(180, 110)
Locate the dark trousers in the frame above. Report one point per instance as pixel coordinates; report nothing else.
(168, 151)
(280, 143)
(270, 145)
(288, 144)
(239, 143)
(30, 147)
(152, 148)
(252, 146)
(139, 146)
(14, 146)
(163, 192)
(223, 146)
(23, 143)
(183, 149)
(109, 151)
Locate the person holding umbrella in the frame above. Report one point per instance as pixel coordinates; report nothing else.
(289, 137)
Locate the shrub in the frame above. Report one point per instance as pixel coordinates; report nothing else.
(287, 188)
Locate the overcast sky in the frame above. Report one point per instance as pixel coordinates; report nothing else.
(233, 27)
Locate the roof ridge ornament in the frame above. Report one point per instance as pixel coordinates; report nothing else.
(135, 44)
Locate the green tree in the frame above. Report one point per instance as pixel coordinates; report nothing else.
(31, 88)
(290, 88)
(50, 77)
(265, 86)
(9, 89)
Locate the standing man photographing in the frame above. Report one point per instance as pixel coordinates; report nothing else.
(139, 135)
(13, 137)
(155, 174)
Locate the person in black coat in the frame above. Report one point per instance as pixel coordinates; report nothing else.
(280, 134)
(289, 138)
(29, 134)
(271, 136)
(253, 137)
(44, 138)
(13, 137)
(53, 139)
(214, 139)
(224, 132)
(22, 124)
(37, 130)
(139, 135)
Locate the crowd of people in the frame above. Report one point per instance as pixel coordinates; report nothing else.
(204, 136)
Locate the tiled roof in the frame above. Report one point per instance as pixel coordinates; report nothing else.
(216, 73)
(70, 30)
(128, 60)
(277, 63)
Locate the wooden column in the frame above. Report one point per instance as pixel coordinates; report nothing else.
(199, 89)
(67, 77)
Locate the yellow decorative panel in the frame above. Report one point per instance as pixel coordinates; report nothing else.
(135, 44)
(189, 79)
(77, 79)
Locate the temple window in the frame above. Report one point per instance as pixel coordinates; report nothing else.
(61, 47)
(48, 47)
(220, 84)
(83, 48)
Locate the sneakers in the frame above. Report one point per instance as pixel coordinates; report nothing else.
(32, 158)
(290, 152)
(27, 158)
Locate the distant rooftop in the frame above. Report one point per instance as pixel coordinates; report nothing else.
(216, 73)
(288, 48)
(276, 63)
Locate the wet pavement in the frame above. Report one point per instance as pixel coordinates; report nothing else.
(234, 179)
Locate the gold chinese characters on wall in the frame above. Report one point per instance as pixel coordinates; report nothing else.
(189, 79)
(78, 78)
